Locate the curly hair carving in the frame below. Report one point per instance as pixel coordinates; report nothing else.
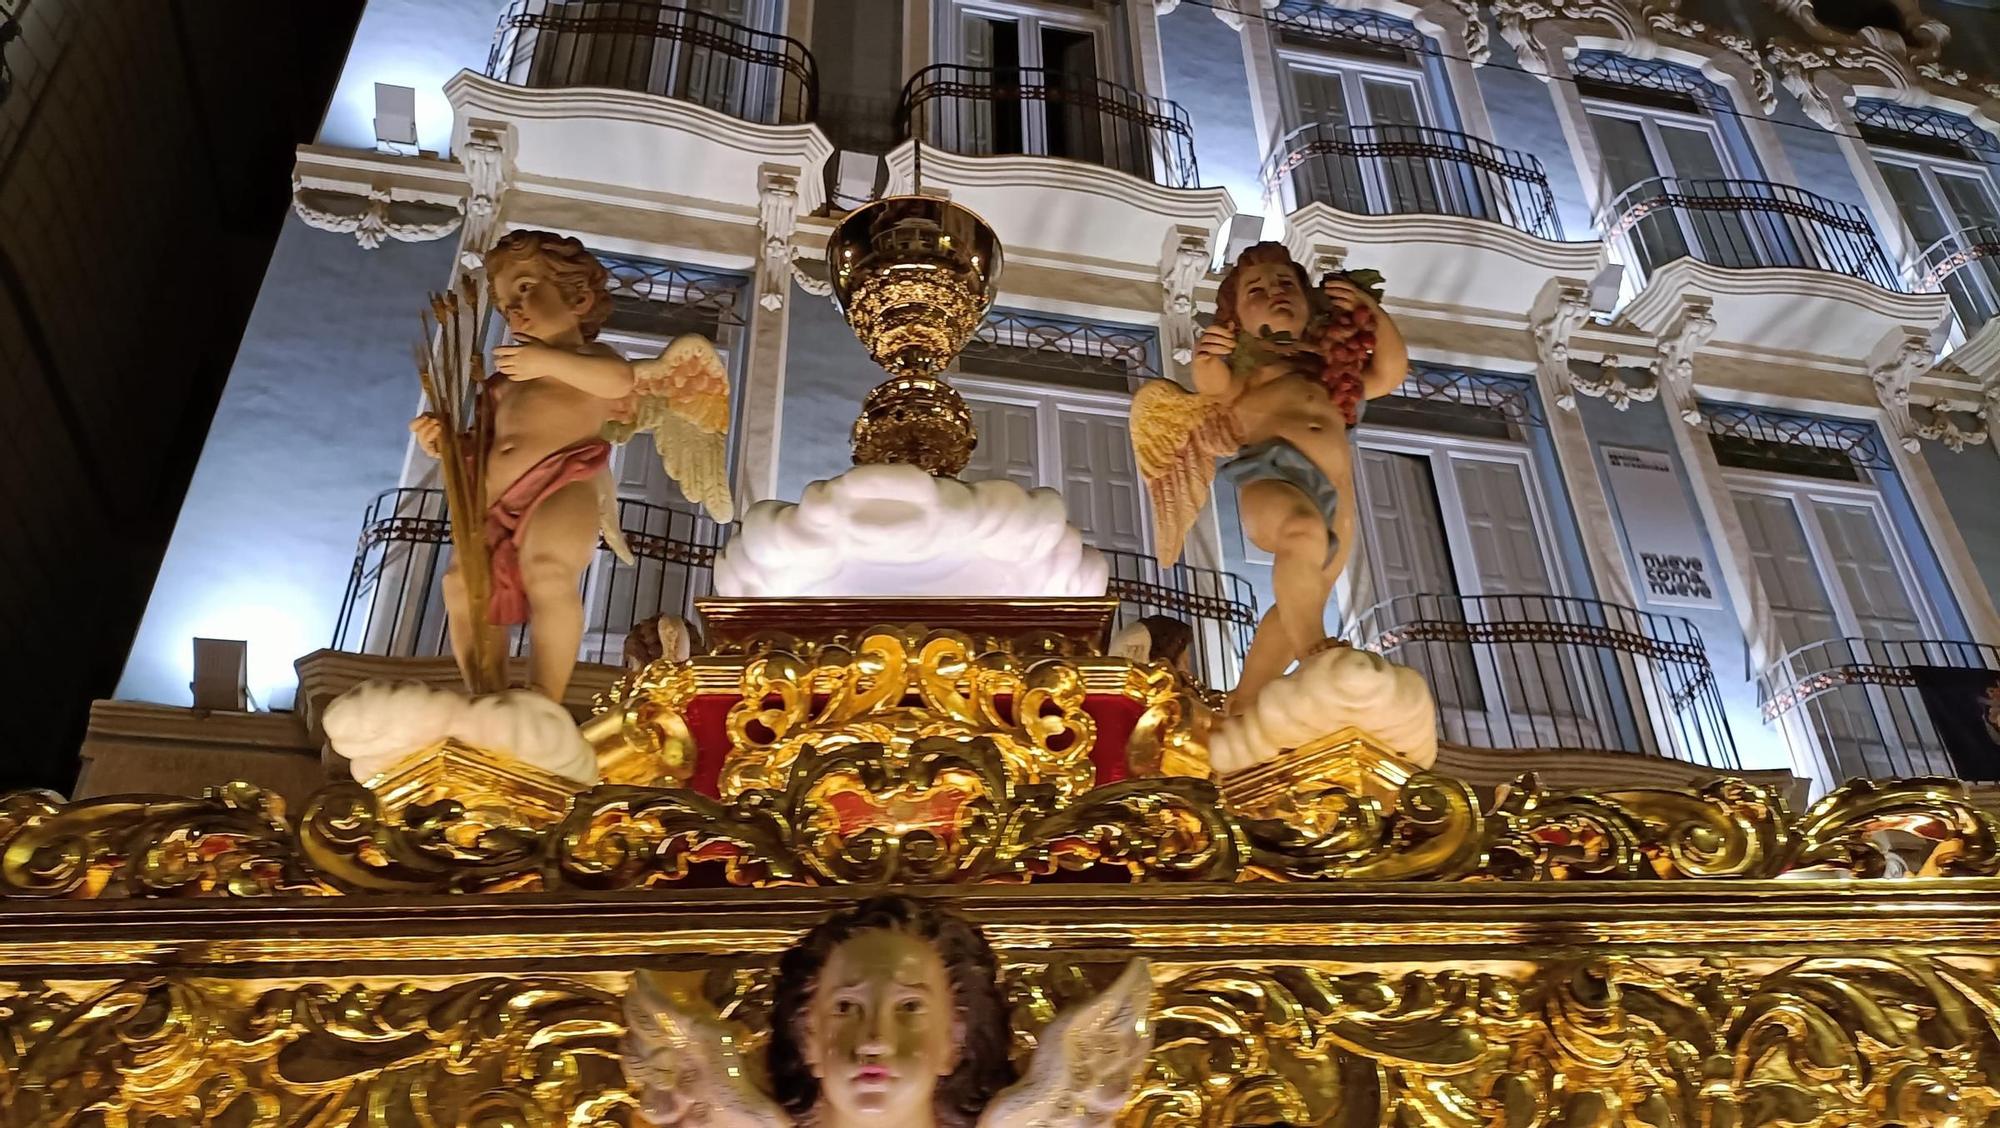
(575, 271)
(1344, 387)
(984, 1065)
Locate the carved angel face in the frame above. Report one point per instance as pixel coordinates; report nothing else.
(535, 305)
(882, 1029)
(1268, 294)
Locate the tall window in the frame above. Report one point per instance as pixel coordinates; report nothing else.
(644, 45)
(1948, 197)
(1353, 85)
(1060, 55)
(1832, 567)
(1454, 519)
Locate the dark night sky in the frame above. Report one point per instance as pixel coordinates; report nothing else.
(145, 157)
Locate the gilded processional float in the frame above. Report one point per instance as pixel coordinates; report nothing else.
(911, 839)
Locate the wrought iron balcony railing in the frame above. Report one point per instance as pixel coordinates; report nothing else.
(987, 111)
(1219, 610)
(394, 604)
(395, 595)
(1741, 224)
(656, 48)
(1412, 170)
(1854, 704)
(1966, 265)
(1555, 673)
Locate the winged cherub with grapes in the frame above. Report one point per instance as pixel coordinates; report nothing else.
(559, 400)
(1278, 379)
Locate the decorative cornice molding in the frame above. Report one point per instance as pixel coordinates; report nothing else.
(1942, 426)
(369, 217)
(1642, 29)
(1673, 368)
(777, 222)
(1905, 360)
(487, 156)
(1183, 264)
(1924, 36)
(1825, 76)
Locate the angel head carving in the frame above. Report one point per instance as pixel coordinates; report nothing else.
(1266, 290)
(884, 1007)
(547, 285)
(889, 1014)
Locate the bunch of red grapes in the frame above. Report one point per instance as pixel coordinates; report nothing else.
(1346, 345)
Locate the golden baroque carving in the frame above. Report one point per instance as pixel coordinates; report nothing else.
(1671, 1042)
(941, 809)
(896, 688)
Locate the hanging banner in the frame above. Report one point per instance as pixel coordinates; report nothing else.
(1674, 569)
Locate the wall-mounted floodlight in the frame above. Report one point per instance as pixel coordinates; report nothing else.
(395, 117)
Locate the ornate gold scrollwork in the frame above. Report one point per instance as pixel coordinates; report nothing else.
(492, 1053)
(937, 808)
(1900, 1038)
(896, 688)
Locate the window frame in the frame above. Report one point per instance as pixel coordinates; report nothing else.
(1927, 167)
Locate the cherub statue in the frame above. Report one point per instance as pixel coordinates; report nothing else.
(559, 401)
(1279, 378)
(889, 1014)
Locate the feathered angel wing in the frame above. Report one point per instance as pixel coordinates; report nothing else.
(1178, 435)
(1087, 1062)
(682, 397)
(687, 1071)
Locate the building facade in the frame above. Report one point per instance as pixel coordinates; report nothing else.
(1693, 470)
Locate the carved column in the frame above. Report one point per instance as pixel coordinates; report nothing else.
(1673, 368)
(1183, 264)
(1674, 372)
(777, 220)
(1897, 365)
(488, 158)
(1559, 310)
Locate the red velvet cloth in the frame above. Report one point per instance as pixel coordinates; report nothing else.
(507, 519)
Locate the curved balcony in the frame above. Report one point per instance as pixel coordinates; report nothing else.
(394, 604)
(1965, 265)
(656, 48)
(1741, 225)
(1034, 111)
(1412, 170)
(1856, 706)
(1554, 673)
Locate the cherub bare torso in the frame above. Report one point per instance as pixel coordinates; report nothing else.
(1282, 402)
(546, 467)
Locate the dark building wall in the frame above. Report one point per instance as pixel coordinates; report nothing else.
(143, 147)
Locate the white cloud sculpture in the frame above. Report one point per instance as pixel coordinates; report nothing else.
(1327, 692)
(378, 723)
(893, 530)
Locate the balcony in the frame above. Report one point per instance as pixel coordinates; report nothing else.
(985, 112)
(1528, 674)
(1062, 165)
(1854, 704)
(394, 605)
(610, 117)
(1965, 266)
(654, 48)
(1454, 221)
(1787, 270)
(1413, 170)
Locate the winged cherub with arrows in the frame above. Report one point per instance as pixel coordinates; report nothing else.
(1279, 378)
(559, 400)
